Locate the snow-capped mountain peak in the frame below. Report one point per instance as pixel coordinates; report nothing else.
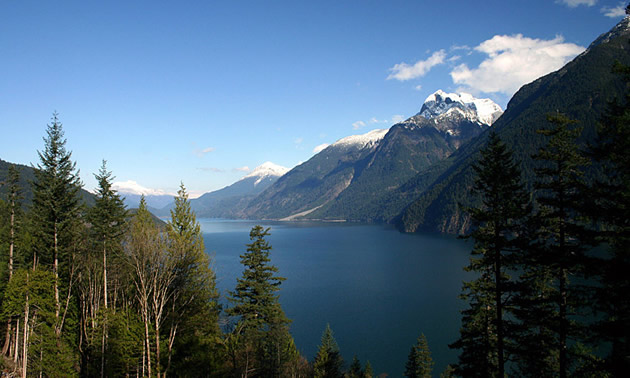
(440, 105)
(267, 169)
(132, 187)
(362, 141)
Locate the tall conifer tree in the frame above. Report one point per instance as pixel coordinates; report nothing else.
(419, 363)
(263, 328)
(612, 210)
(56, 213)
(560, 244)
(328, 361)
(499, 219)
(193, 308)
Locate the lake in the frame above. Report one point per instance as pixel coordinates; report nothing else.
(378, 288)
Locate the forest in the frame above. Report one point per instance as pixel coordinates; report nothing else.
(97, 290)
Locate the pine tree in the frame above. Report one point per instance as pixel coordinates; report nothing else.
(611, 209)
(557, 253)
(262, 327)
(419, 363)
(356, 371)
(499, 220)
(368, 372)
(57, 226)
(15, 216)
(193, 307)
(328, 361)
(108, 225)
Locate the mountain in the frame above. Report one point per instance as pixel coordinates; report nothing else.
(350, 179)
(231, 201)
(131, 192)
(581, 90)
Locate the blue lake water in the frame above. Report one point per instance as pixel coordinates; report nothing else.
(378, 288)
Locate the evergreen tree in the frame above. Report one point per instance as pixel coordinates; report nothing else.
(419, 363)
(13, 223)
(193, 308)
(368, 372)
(612, 210)
(108, 224)
(262, 328)
(328, 361)
(356, 371)
(499, 221)
(557, 252)
(56, 213)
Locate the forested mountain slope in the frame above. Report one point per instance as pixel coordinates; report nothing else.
(581, 90)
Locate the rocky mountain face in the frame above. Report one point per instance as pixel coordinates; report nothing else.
(350, 179)
(581, 90)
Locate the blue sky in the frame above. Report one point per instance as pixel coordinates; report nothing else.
(203, 91)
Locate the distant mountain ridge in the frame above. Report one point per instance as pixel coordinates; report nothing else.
(349, 179)
(231, 201)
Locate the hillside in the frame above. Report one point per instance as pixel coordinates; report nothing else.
(581, 90)
(353, 178)
(27, 176)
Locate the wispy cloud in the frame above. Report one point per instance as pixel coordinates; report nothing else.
(513, 61)
(357, 125)
(373, 121)
(241, 169)
(397, 118)
(614, 12)
(201, 152)
(211, 169)
(404, 71)
(576, 3)
(320, 148)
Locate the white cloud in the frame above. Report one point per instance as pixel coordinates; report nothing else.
(404, 71)
(202, 152)
(241, 169)
(357, 125)
(512, 62)
(576, 3)
(615, 12)
(397, 118)
(320, 148)
(418, 87)
(132, 187)
(298, 140)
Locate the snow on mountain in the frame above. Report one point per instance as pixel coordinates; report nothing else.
(362, 141)
(267, 169)
(440, 105)
(623, 27)
(132, 187)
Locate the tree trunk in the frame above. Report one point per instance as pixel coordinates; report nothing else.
(147, 343)
(499, 303)
(56, 272)
(104, 341)
(17, 341)
(25, 338)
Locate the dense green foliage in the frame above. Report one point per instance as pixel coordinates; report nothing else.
(419, 363)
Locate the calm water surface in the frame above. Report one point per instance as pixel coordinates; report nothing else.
(379, 289)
